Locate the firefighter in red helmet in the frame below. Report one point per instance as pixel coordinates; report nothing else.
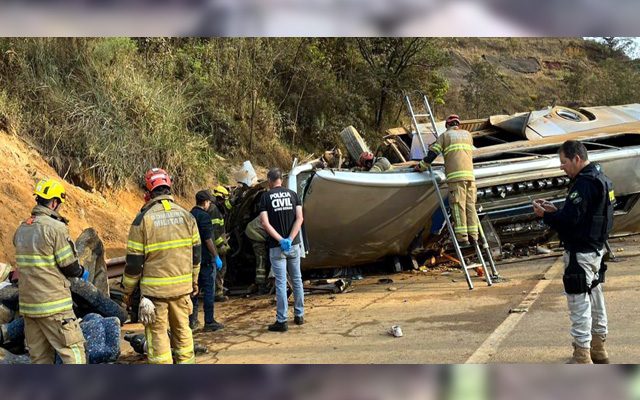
(457, 147)
(164, 239)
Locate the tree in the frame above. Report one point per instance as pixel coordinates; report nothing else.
(401, 64)
(619, 46)
(484, 92)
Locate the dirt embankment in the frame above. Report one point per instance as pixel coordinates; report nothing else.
(109, 213)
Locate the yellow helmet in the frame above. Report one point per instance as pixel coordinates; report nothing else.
(50, 189)
(220, 191)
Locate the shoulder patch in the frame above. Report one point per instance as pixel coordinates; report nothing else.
(577, 200)
(573, 195)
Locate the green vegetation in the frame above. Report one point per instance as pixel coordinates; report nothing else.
(104, 110)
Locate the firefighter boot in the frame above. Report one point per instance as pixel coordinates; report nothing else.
(581, 355)
(598, 353)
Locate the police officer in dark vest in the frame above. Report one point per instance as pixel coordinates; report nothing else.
(583, 224)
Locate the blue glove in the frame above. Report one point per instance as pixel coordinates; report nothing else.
(218, 263)
(285, 244)
(85, 275)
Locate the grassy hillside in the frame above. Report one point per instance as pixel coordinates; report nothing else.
(101, 111)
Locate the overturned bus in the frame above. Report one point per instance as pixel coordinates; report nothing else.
(354, 218)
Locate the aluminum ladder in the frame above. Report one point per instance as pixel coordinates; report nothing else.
(485, 245)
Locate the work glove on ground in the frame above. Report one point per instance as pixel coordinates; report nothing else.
(422, 166)
(218, 263)
(285, 244)
(146, 311)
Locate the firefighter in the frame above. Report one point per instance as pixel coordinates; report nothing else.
(583, 224)
(46, 259)
(367, 162)
(164, 239)
(457, 146)
(258, 236)
(218, 210)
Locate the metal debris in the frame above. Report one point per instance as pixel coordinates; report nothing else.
(329, 286)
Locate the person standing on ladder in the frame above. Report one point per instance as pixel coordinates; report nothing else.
(457, 147)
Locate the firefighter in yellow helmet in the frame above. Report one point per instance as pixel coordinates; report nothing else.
(164, 239)
(218, 210)
(46, 259)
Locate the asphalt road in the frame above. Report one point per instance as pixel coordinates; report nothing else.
(442, 321)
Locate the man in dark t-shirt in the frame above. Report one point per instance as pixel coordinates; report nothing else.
(210, 263)
(281, 216)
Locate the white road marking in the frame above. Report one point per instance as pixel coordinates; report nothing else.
(490, 346)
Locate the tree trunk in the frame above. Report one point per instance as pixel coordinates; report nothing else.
(381, 105)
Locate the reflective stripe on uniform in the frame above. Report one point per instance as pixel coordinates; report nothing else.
(160, 358)
(170, 280)
(195, 239)
(151, 356)
(170, 244)
(458, 147)
(460, 229)
(34, 260)
(130, 281)
(63, 254)
(219, 241)
(135, 246)
(460, 174)
(456, 214)
(192, 360)
(50, 307)
(218, 221)
(76, 354)
(436, 148)
(472, 228)
(184, 350)
(166, 205)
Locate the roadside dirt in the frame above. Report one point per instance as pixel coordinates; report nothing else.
(110, 213)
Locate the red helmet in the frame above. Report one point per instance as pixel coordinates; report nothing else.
(364, 158)
(451, 119)
(156, 177)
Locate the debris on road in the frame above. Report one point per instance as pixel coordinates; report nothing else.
(385, 281)
(542, 250)
(395, 331)
(139, 344)
(337, 285)
(518, 310)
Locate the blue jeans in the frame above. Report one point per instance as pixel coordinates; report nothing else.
(206, 283)
(280, 266)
